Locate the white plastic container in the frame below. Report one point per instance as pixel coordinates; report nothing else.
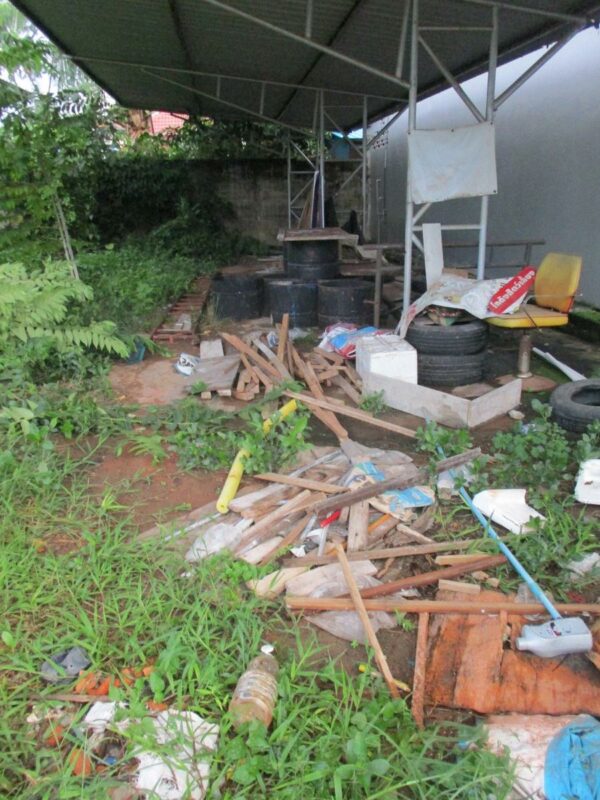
(386, 354)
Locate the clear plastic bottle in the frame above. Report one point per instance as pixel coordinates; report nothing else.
(256, 692)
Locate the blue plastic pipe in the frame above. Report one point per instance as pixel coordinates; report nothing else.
(536, 590)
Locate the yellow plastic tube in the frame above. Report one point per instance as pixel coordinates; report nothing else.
(236, 471)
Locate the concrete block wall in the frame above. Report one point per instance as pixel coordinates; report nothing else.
(257, 191)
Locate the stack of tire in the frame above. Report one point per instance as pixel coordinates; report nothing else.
(312, 292)
(451, 355)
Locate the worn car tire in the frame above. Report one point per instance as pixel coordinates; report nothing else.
(460, 338)
(447, 370)
(576, 405)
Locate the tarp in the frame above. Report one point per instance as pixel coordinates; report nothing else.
(457, 162)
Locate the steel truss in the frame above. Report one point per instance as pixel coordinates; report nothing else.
(413, 35)
(415, 214)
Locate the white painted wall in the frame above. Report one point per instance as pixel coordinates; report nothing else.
(548, 158)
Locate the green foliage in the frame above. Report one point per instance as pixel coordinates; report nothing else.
(203, 437)
(133, 286)
(198, 387)
(35, 321)
(540, 456)
(333, 737)
(564, 537)
(433, 437)
(373, 403)
(205, 138)
(138, 193)
(36, 412)
(125, 601)
(274, 450)
(47, 143)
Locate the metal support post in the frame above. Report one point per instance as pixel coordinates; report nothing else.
(378, 284)
(412, 120)
(289, 181)
(309, 19)
(322, 157)
(364, 153)
(489, 116)
(524, 361)
(402, 43)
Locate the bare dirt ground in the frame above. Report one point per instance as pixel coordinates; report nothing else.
(152, 493)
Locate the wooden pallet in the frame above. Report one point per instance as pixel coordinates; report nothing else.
(192, 304)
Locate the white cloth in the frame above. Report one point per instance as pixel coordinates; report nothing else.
(458, 162)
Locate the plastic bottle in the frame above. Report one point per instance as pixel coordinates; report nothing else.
(256, 691)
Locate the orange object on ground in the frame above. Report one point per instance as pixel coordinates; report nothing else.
(98, 685)
(468, 667)
(54, 735)
(80, 763)
(152, 705)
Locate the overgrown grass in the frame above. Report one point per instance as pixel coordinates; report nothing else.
(132, 286)
(543, 459)
(128, 603)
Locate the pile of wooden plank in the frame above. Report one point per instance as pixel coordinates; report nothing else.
(340, 581)
(262, 369)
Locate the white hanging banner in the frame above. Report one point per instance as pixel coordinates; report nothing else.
(458, 162)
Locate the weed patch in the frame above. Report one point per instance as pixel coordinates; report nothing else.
(128, 604)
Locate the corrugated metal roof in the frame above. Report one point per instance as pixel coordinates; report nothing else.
(144, 51)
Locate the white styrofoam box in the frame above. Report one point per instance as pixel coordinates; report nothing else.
(386, 354)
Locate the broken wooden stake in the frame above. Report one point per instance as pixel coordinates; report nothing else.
(418, 695)
(436, 606)
(364, 618)
(427, 578)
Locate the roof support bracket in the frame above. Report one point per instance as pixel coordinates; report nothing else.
(537, 65)
(452, 80)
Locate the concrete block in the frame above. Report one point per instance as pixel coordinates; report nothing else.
(386, 354)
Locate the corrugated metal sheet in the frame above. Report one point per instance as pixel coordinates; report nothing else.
(134, 49)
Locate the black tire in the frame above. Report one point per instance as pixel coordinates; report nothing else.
(460, 338)
(446, 370)
(576, 405)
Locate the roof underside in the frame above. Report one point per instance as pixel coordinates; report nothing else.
(143, 52)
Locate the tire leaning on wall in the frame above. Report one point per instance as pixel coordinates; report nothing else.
(576, 405)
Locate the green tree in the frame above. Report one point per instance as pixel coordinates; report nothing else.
(54, 126)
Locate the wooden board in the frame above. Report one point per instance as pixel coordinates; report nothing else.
(317, 235)
(217, 373)
(211, 348)
(303, 483)
(358, 522)
(405, 551)
(468, 667)
(442, 407)
(354, 413)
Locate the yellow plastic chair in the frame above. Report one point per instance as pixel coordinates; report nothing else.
(556, 282)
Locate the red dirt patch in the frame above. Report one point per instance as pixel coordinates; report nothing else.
(152, 382)
(153, 492)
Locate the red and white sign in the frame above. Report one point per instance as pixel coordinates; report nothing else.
(513, 291)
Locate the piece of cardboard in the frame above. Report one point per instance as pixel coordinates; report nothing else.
(433, 252)
(447, 409)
